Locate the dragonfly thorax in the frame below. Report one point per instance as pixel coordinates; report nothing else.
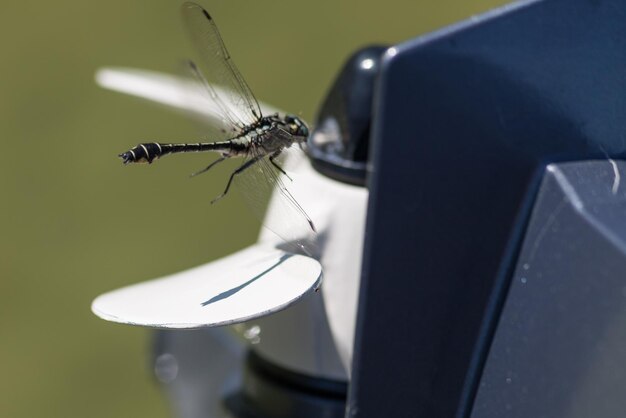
(293, 125)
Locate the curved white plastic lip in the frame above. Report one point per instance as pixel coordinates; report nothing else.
(178, 93)
(251, 283)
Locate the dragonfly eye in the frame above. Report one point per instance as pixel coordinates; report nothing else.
(303, 130)
(297, 126)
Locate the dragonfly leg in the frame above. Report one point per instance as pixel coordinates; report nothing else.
(241, 169)
(279, 168)
(204, 170)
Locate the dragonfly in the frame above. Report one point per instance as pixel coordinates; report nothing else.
(243, 132)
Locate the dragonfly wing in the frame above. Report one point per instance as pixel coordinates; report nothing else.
(288, 220)
(239, 105)
(225, 125)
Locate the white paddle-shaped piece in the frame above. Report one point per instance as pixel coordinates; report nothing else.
(249, 284)
(178, 93)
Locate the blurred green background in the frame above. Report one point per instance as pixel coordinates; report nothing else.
(76, 223)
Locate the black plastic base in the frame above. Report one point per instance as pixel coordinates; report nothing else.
(271, 391)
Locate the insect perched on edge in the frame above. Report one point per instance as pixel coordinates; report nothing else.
(244, 131)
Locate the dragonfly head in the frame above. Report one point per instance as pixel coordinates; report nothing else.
(297, 127)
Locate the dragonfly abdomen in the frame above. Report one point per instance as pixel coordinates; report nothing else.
(148, 152)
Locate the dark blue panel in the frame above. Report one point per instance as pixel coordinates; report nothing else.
(465, 122)
(560, 344)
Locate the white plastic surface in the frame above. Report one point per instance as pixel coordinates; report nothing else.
(339, 211)
(179, 93)
(249, 284)
(303, 339)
